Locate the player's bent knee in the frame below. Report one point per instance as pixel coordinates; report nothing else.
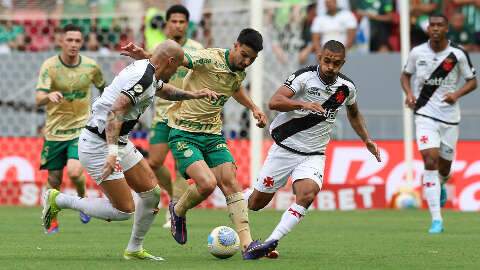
(256, 204)
(207, 187)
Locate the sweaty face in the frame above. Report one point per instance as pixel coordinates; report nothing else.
(176, 26)
(437, 28)
(331, 63)
(243, 56)
(72, 41)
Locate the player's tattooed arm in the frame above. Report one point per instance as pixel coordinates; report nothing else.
(243, 98)
(282, 101)
(407, 89)
(116, 117)
(358, 124)
(170, 92)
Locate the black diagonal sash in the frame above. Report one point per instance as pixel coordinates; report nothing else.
(441, 72)
(296, 125)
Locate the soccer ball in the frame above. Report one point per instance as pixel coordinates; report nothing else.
(223, 242)
(407, 200)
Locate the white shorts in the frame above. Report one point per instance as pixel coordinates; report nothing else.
(93, 150)
(435, 134)
(281, 163)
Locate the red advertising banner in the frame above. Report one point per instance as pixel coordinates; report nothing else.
(353, 178)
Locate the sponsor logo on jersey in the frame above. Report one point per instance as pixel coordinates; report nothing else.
(315, 91)
(435, 81)
(422, 63)
(188, 153)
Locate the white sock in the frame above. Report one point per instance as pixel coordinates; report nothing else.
(431, 190)
(145, 212)
(290, 219)
(100, 208)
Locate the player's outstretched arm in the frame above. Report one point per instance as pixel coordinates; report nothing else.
(358, 124)
(282, 101)
(115, 119)
(170, 92)
(243, 98)
(43, 98)
(134, 51)
(407, 89)
(468, 87)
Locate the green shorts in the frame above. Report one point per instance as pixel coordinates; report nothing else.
(189, 147)
(159, 133)
(55, 154)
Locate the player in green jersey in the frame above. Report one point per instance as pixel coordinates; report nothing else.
(63, 87)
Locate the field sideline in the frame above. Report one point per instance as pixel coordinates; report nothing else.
(324, 240)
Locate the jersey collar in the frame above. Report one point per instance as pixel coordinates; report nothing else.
(227, 54)
(326, 84)
(71, 66)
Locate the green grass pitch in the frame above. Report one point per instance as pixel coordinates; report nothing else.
(323, 240)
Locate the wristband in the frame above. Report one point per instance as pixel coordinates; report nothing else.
(113, 150)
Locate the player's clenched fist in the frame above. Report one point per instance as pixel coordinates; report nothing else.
(55, 97)
(260, 117)
(410, 101)
(205, 93)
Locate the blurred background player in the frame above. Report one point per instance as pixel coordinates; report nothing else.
(177, 18)
(196, 141)
(437, 65)
(64, 85)
(309, 102)
(111, 158)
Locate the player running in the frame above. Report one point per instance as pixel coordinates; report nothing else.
(177, 17)
(64, 88)
(195, 139)
(437, 65)
(309, 101)
(112, 160)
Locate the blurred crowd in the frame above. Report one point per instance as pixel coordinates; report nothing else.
(362, 25)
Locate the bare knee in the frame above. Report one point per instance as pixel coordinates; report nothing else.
(258, 201)
(430, 163)
(74, 173)
(430, 160)
(206, 186)
(306, 197)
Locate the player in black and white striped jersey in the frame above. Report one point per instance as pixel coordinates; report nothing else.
(309, 102)
(438, 66)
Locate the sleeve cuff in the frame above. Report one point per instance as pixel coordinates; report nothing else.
(43, 90)
(291, 88)
(132, 98)
(190, 62)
